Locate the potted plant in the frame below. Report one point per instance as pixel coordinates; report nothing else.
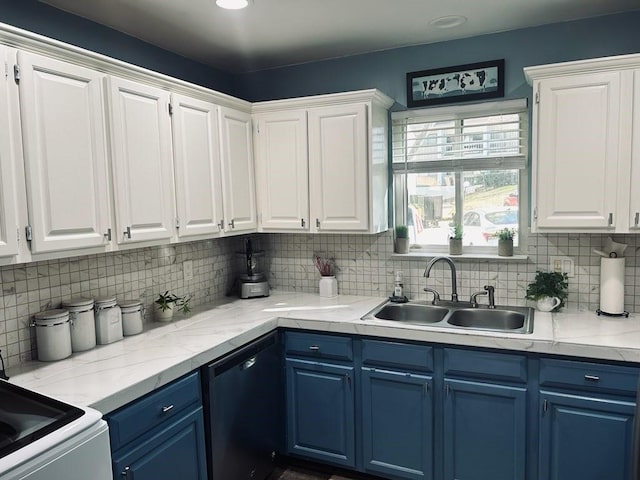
(548, 290)
(402, 239)
(505, 242)
(455, 240)
(167, 302)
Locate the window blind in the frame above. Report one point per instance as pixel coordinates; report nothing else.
(491, 135)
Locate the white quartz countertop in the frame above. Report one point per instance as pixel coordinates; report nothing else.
(110, 376)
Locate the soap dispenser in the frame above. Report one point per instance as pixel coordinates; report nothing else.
(398, 290)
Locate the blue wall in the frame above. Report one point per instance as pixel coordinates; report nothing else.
(37, 17)
(596, 37)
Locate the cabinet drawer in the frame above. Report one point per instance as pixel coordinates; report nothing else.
(590, 376)
(142, 415)
(397, 355)
(479, 364)
(319, 346)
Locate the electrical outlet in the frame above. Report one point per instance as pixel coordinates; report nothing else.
(187, 269)
(562, 265)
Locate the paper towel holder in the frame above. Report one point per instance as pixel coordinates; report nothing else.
(623, 314)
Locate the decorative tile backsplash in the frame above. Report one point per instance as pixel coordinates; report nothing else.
(365, 264)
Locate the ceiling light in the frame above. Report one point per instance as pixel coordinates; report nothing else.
(449, 21)
(232, 4)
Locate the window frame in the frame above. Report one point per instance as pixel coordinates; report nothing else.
(459, 112)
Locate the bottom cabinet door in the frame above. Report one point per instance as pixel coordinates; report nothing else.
(320, 411)
(484, 431)
(583, 438)
(175, 452)
(397, 424)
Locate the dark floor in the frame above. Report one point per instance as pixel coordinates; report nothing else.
(299, 473)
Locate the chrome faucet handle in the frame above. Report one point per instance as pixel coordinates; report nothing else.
(490, 289)
(436, 295)
(474, 298)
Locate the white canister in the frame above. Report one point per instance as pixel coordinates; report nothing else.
(108, 320)
(132, 313)
(53, 334)
(83, 325)
(328, 286)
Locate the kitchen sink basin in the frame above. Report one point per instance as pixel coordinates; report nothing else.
(457, 315)
(412, 313)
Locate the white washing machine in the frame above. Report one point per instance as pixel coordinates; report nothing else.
(45, 439)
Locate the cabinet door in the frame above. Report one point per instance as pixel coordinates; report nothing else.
(197, 166)
(585, 438)
(237, 171)
(10, 158)
(64, 141)
(338, 182)
(142, 163)
(484, 431)
(397, 424)
(576, 149)
(634, 221)
(320, 411)
(282, 170)
(176, 451)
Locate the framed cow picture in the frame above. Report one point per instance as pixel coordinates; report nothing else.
(462, 83)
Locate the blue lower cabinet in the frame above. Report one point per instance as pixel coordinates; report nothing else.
(320, 411)
(484, 431)
(173, 451)
(397, 424)
(585, 438)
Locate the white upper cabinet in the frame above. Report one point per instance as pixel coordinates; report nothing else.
(142, 161)
(197, 166)
(238, 182)
(63, 128)
(10, 159)
(336, 161)
(582, 161)
(282, 179)
(634, 211)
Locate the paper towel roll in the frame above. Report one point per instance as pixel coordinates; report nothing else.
(612, 285)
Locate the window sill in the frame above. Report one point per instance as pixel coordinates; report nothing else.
(424, 254)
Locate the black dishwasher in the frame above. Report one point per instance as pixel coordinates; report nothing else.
(243, 396)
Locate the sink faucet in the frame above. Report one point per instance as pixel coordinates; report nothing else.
(488, 290)
(452, 266)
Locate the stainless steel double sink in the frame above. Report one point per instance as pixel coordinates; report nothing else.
(459, 315)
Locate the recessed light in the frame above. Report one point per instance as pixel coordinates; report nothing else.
(448, 21)
(232, 4)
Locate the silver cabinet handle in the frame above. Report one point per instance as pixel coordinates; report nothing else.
(127, 233)
(592, 378)
(348, 379)
(302, 222)
(637, 219)
(221, 224)
(232, 223)
(125, 473)
(167, 408)
(610, 219)
(317, 223)
(107, 235)
(314, 348)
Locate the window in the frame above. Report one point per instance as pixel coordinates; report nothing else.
(461, 165)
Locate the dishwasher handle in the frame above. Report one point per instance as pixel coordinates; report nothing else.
(247, 364)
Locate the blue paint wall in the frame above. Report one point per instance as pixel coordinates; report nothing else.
(45, 20)
(596, 37)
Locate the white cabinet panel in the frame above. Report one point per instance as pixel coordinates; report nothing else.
(197, 166)
(282, 170)
(65, 154)
(10, 158)
(237, 171)
(577, 150)
(634, 211)
(142, 161)
(338, 176)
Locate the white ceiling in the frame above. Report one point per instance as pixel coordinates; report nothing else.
(274, 33)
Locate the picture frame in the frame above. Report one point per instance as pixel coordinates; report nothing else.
(460, 83)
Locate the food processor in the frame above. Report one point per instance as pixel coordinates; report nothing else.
(253, 283)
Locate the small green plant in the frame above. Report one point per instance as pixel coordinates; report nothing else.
(168, 300)
(456, 232)
(506, 234)
(402, 231)
(549, 284)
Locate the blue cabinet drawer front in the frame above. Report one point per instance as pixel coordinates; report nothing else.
(146, 413)
(397, 355)
(479, 364)
(319, 346)
(589, 376)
